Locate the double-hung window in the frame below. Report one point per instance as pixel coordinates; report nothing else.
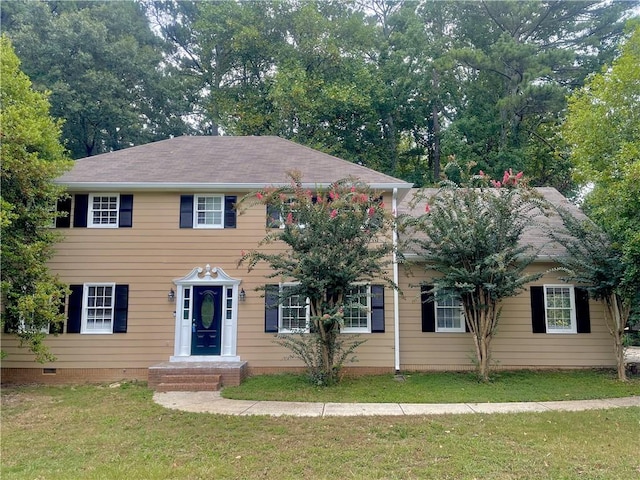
(445, 315)
(559, 309)
(97, 210)
(98, 308)
(560, 312)
(285, 313)
(208, 211)
(449, 315)
(294, 312)
(357, 310)
(103, 210)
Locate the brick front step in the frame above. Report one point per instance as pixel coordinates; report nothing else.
(187, 387)
(195, 376)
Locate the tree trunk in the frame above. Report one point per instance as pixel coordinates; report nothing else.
(482, 323)
(616, 314)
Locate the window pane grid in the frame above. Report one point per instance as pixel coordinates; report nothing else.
(449, 314)
(294, 314)
(99, 312)
(104, 210)
(209, 211)
(558, 308)
(356, 311)
(186, 304)
(229, 309)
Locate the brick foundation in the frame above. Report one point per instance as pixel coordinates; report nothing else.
(61, 376)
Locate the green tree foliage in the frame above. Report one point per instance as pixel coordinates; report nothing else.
(520, 62)
(225, 50)
(395, 85)
(593, 261)
(32, 157)
(103, 66)
(332, 240)
(603, 133)
(469, 240)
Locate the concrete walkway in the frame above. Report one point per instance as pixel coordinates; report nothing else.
(212, 402)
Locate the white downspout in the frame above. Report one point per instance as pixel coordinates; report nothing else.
(396, 294)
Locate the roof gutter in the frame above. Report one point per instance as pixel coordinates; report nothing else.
(193, 187)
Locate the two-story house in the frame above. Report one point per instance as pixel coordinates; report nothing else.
(150, 252)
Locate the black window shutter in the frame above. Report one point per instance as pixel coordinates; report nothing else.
(428, 309)
(583, 322)
(271, 297)
(186, 211)
(377, 308)
(126, 211)
(538, 323)
(74, 312)
(121, 309)
(230, 211)
(273, 216)
(63, 206)
(80, 210)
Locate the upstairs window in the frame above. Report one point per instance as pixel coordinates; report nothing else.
(208, 211)
(103, 211)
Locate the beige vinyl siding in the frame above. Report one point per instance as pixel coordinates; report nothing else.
(147, 257)
(514, 345)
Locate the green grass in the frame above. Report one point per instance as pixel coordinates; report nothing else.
(91, 432)
(445, 387)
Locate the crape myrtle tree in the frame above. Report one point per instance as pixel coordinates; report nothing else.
(332, 239)
(32, 157)
(594, 261)
(469, 240)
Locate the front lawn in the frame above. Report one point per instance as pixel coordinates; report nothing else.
(444, 387)
(97, 432)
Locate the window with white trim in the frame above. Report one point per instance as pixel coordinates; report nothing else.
(103, 210)
(98, 308)
(357, 309)
(449, 315)
(208, 211)
(560, 310)
(294, 313)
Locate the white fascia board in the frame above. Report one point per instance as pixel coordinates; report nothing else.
(196, 187)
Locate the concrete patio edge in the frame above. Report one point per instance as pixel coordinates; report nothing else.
(213, 402)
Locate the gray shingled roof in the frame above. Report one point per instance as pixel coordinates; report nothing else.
(534, 236)
(249, 162)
